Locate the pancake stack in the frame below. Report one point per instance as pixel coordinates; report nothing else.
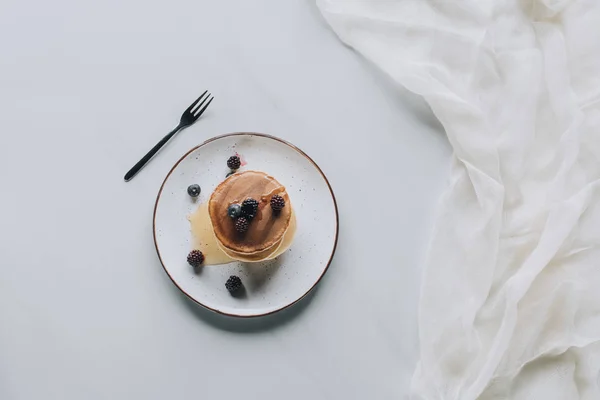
(269, 233)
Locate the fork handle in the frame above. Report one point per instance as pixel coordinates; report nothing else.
(140, 164)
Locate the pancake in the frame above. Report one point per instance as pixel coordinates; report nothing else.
(215, 254)
(266, 231)
(269, 254)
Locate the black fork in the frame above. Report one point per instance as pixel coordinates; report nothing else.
(189, 116)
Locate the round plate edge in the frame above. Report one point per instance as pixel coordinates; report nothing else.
(337, 222)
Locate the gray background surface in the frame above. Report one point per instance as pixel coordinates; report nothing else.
(87, 312)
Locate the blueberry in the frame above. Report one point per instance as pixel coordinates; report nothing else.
(234, 210)
(194, 190)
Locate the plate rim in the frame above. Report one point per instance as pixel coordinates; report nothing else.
(293, 147)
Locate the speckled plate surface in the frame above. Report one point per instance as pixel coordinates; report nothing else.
(269, 286)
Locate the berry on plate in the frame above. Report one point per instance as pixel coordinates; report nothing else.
(194, 190)
(233, 284)
(242, 224)
(195, 258)
(234, 210)
(277, 203)
(249, 208)
(234, 162)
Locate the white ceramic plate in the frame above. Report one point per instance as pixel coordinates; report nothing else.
(269, 286)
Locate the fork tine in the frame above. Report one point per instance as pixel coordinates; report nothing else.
(189, 109)
(204, 108)
(194, 109)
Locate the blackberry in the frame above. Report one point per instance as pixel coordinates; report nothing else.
(233, 284)
(241, 224)
(234, 162)
(249, 208)
(195, 258)
(234, 210)
(277, 203)
(194, 190)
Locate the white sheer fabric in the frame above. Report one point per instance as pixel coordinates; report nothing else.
(510, 298)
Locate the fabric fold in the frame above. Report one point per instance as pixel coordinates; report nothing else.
(510, 298)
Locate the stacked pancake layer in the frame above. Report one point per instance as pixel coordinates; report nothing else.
(269, 233)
